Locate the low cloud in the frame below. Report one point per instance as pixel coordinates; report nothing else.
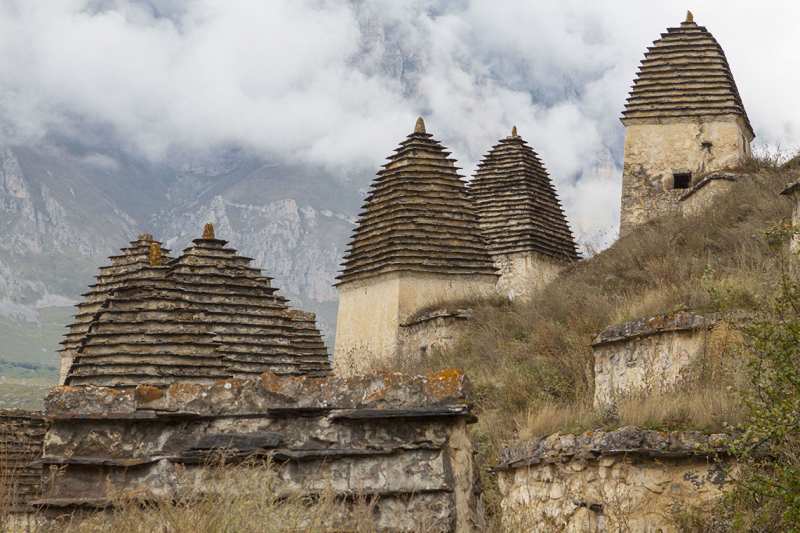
(341, 83)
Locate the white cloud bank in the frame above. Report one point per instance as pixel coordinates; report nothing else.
(341, 83)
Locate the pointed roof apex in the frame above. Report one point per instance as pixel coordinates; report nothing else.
(514, 132)
(155, 254)
(208, 231)
(419, 127)
(684, 74)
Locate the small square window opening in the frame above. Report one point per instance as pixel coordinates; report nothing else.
(681, 181)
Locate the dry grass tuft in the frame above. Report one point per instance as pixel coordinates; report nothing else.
(240, 498)
(549, 418)
(706, 408)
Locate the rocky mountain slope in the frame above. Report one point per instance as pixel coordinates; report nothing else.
(79, 192)
(65, 208)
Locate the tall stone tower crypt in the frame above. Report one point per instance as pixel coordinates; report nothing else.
(684, 120)
(521, 218)
(417, 244)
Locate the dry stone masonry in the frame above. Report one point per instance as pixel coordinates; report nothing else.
(684, 120)
(202, 316)
(624, 480)
(417, 243)
(21, 440)
(403, 439)
(520, 217)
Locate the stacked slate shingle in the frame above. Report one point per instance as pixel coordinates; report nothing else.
(21, 441)
(517, 206)
(685, 73)
(200, 317)
(132, 263)
(417, 218)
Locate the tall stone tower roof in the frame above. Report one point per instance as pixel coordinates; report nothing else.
(203, 316)
(517, 206)
(685, 73)
(417, 217)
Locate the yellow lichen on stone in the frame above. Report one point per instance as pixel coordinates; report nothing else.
(208, 231)
(419, 127)
(689, 16)
(514, 131)
(155, 254)
(147, 394)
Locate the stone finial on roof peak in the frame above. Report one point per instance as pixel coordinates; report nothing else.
(684, 74)
(144, 237)
(155, 254)
(419, 127)
(208, 231)
(517, 205)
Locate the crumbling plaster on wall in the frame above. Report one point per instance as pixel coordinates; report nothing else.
(655, 354)
(372, 310)
(432, 333)
(654, 151)
(523, 274)
(650, 364)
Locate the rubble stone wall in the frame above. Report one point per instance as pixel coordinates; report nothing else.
(372, 310)
(400, 438)
(624, 480)
(653, 152)
(522, 274)
(647, 354)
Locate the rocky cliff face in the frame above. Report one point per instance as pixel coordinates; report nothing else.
(62, 213)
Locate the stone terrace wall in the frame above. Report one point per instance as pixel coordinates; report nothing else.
(435, 331)
(649, 353)
(21, 438)
(623, 480)
(401, 438)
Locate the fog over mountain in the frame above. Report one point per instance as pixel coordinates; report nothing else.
(271, 118)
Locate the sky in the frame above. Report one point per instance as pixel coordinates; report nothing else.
(340, 83)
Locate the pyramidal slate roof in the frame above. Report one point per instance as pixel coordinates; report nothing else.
(417, 217)
(685, 73)
(203, 316)
(132, 263)
(517, 205)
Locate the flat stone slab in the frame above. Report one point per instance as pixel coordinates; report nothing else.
(629, 440)
(379, 390)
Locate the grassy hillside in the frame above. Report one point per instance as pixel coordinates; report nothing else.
(530, 364)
